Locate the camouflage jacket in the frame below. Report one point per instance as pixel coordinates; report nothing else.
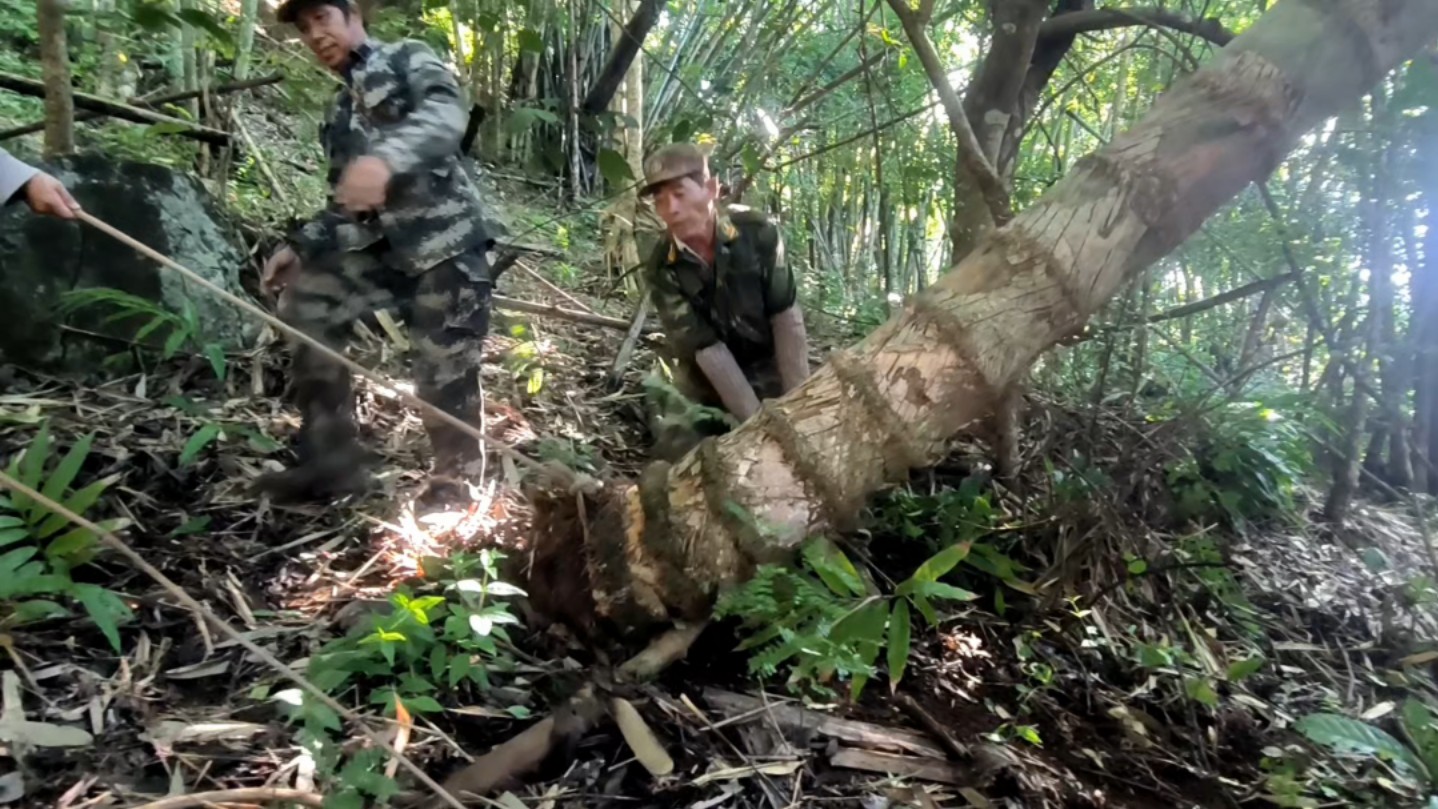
(730, 302)
(401, 104)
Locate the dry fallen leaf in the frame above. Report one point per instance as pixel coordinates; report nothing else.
(18, 730)
(777, 768)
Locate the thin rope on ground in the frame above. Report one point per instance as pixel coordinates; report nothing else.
(250, 308)
(119, 546)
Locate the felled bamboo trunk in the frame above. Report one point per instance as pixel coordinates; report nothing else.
(663, 548)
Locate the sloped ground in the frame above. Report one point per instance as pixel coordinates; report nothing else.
(1173, 681)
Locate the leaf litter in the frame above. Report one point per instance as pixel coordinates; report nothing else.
(1063, 687)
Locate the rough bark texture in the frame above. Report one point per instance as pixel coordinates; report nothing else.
(55, 68)
(808, 462)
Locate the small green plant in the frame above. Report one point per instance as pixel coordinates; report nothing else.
(425, 646)
(179, 329)
(1416, 760)
(525, 361)
(1246, 468)
(37, 554)
(826, 622)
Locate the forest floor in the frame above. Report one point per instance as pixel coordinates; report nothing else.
(1173, 681)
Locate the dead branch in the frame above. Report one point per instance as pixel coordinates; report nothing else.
(626, 350)
(560, 313)
(152, 102)
(250, 795)
(177, 592)
(116, 109)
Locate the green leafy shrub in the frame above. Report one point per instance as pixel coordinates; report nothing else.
(1416, 760)
(426, 646)
(1246, 468)
(827, 623)
(37, 553)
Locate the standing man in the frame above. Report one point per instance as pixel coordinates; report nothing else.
(722, 290)
(43, 193)
(402, 230)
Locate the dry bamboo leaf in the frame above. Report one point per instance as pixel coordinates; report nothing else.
(778, 768)
(391, 328)
(195, 671)
(1418, 659)
(18, 730)
(171, 732)
(641, 738)
(509, 800)
(12, 787)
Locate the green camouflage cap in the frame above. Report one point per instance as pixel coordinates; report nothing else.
(289, 10)
(672, 162)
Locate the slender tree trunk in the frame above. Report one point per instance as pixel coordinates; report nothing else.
(55, 67)
(809, 461)
(189, 66)
(245, 42)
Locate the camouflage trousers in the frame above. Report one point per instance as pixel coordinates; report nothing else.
(675, 427)
(448, 315)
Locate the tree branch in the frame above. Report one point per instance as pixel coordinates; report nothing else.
(971, 155)
(116, 109)
(1107, 19)
(621, 57)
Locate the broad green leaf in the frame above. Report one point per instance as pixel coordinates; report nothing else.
(194, 525)
(105, 609)
(78, 503)
(32, 466)
(177, 337)
(59, 481)
(423, 704)
(833, 568)
(503, 589)
(73, 542)
(864, 626)
(518, 711)
(937, 589)
(1344, 735)
(921, 603)
(216, 355)
(438, 661)
(1200, 690)
(197, 443)
(1242, 669)
(941, 563)
(38, 609)
(1422, 728)
(10, 561)
(899, 641)
(459, 667)
(615, 169)
(10, 521)
(10, 536)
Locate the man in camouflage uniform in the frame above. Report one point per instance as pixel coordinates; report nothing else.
(725, 296)
(402, 231)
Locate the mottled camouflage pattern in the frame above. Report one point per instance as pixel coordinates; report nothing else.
(448, 315)
(730, 302)
(399, 103)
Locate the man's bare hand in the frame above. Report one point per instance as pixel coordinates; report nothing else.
(279, 270)
(362, 186)
(48, 197)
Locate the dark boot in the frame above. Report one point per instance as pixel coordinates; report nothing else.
(332, 464)
(458, 463)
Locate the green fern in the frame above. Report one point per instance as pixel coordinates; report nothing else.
(178, 328)
(36, 557)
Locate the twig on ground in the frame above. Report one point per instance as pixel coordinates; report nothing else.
(118, 545)
(225, 796)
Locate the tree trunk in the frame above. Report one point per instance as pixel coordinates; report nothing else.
(808, 462)
(55, 68)
(627, 43)
(245, 42)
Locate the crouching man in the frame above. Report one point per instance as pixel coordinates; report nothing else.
(725, 296)
(402, 231)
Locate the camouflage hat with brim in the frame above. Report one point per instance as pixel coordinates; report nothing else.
(289, 10)
(671, 163)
